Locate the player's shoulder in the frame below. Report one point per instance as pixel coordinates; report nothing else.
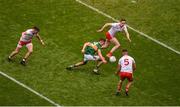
(98, 45)
(29, 30)
(115, 24)
(125, 27)
(121, 58)
(126, 56)
(94, 43)
(130, 57)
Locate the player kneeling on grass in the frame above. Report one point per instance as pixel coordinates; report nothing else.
(26, 39)
(90, 49)
(126, 67)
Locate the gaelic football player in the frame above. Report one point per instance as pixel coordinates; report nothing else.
(91, 52)
(26, 40)
(126, 67)
(110, 35)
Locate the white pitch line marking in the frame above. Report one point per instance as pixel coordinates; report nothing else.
(133, 1)
(137, 31)
(28, 88)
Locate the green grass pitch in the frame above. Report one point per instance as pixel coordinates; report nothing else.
(65, 26)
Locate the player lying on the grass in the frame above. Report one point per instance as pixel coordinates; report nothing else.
(26, 39)
(126, 67)
(110, 35)
(92, 52)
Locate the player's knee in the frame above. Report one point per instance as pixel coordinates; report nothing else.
(118, 45)
(85, 62)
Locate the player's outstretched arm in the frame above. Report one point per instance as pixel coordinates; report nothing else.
(127, 34)
(84, 46)
(39, 38)
(106, 25)
(101, 57)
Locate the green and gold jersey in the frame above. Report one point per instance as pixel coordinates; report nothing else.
(93, 48)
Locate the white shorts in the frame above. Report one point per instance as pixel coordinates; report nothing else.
(91, 58)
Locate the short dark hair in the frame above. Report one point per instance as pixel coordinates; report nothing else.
(122, 20)
(36, 28)
(102, 39)
(124, 50)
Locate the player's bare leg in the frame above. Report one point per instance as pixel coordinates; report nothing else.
(27, 55)
(76, 65)
(116, 46)
(79, 64)
(107, 43)
(14, 53)
(119, 87)
(99, 63)
(128, 86)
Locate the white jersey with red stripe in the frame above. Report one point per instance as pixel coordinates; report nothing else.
(117, 27)
(27, 35)
(126, 63)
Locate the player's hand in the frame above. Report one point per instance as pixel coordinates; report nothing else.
(104, 61)
(100, 30)
(43, 43)
(129, 40)
(83, 51)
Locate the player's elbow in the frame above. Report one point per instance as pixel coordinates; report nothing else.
(106, 25)
(84, 63)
